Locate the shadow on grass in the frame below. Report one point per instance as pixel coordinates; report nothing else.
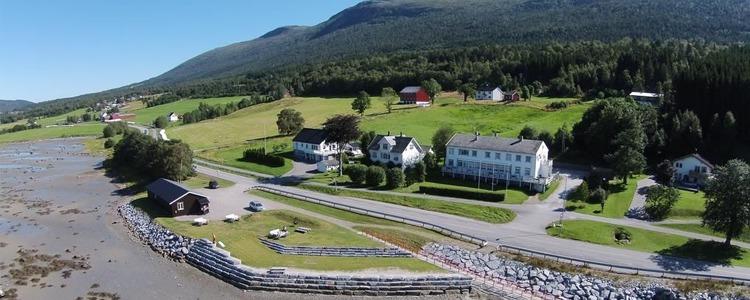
(697, 255)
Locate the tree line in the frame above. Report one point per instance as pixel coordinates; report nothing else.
(206, 111)
(137, 153)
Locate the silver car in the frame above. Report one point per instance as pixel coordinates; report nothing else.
(256, 206)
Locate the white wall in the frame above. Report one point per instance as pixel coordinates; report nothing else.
(687, 164)
(535, 165)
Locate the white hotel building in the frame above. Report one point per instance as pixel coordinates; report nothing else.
(498, 159)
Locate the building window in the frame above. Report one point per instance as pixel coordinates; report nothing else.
(180, 206)
(474, 153)
(518, 158)
(527, 172)
(528, 159)
(395, 158)
(498, 156)
(679, 165)
(508, 157)
(703, 169)
(450, 151)
(518, 170)
(463, 152)
(486, 155)
(384, 146)
(460, 163)
(450, 162)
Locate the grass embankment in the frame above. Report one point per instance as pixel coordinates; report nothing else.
(201, 181)
(689, 206)
(241, 239)
(652, 241)
(698, 228)
(233, 157)
(618, 201)
(84, 129)
(550, 189)
(147, 115)
(489, 214)
(513, 196)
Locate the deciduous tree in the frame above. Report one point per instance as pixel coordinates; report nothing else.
(728, 199)
(341, 129)
(433, 88)
(440, 140)
(361, 103)
(389, 98)
(289, 121)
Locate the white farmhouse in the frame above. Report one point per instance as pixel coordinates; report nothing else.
(310, 144)
(399, 150)
(646, 98)
(489, 92)
(173, 117)
(493, 158)
(692, 169)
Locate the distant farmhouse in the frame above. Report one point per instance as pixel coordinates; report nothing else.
(173, 117)
(398, 150)
(493, 158)
(310, 144)
(489, 92)
(511, 96)
(414, 95)
(646, 98)
(176, 199)
(692, 169)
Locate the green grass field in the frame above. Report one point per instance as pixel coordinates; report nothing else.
(147, 115)
(652, 241)
(241, 239)
(201, 181)
(489, 214)
(618, 201)
(232, 156)
(690, 205)
(86, 129)
(60, 119)
(698, 228)
(550, 189)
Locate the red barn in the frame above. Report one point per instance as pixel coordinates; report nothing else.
(414, 95)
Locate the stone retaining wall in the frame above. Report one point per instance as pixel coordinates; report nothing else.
(219, 263)
(335, 251)
(160, 239)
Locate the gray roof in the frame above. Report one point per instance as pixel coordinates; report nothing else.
(487, 87)
(168, 191)
(411, 89)
(311, 136)
(398, 143)
(494, 143)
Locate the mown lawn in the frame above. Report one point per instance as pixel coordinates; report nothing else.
(690, 205)
(86, 129)
(489, 214)
(550, 189)
(697, 228)
(652, 241)
(514, 196)
(96, 145)
(232, 156)
(241, 239)
(147, 115)
(201, 180)
(618, 201)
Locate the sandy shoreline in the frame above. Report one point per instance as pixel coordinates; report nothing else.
(62, 239)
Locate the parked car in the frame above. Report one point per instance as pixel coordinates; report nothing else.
(256, 206)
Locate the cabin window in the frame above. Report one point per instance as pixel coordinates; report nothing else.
(180, 206)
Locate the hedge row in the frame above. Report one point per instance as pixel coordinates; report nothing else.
(459, 193)
(259, 156)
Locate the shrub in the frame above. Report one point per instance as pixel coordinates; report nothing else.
(260, 156)
(161, 122)
(599, 195)
(109, 143)
(660, 200)
(375, 175)
(461, 193)
(108, 132)
(622, 235)
(356, 173)
(394, 178)
(582, 192)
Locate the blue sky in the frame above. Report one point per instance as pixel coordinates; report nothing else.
(54, 49)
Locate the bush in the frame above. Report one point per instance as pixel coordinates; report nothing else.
(356, 173)
(557, 105)
(622, 235)
(599, 195)
(109, 143)
(394, 178)
(582, 192)
(260, 156)
(462, 193)
(161, 122)
(108, 132)
(660, 200)
(375, 175)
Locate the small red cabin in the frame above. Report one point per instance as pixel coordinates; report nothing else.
(414, 95)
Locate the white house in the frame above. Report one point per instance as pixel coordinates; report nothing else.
(692, 169)
(493, 158)
(489, 92)
(173, 117)
(400, 150)
(310, 144)
(646, 98)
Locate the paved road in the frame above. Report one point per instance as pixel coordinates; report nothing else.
(526, 232)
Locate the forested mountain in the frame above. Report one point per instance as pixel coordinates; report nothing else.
(10, 105)
(379, 26)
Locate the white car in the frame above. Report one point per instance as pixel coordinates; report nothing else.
(256, 206)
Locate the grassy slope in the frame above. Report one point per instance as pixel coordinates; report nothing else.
(232, 156)
(241, 239)
(489, 214)
(550, 189)
(147, 115)
(60, 119)
(87, 129)
(690, 205)
(618, 202)
(697, 228)
(651, 241)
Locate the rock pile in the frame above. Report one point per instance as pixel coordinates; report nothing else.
(334, 251)
(558, 284)
(160, 239)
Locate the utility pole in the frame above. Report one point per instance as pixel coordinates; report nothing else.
(562, 212)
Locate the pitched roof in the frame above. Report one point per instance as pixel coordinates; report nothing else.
(398, 143)
(168, 191)
(642, 94)
(487, 87)
(311, 136)
(494, 143)
(698, 157)
(411, 89)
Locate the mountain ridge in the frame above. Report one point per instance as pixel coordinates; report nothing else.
(10, 105)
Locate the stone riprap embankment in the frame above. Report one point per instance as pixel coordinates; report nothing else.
(558, 284)
(219, 263)
(160, 239)
(335, 251)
